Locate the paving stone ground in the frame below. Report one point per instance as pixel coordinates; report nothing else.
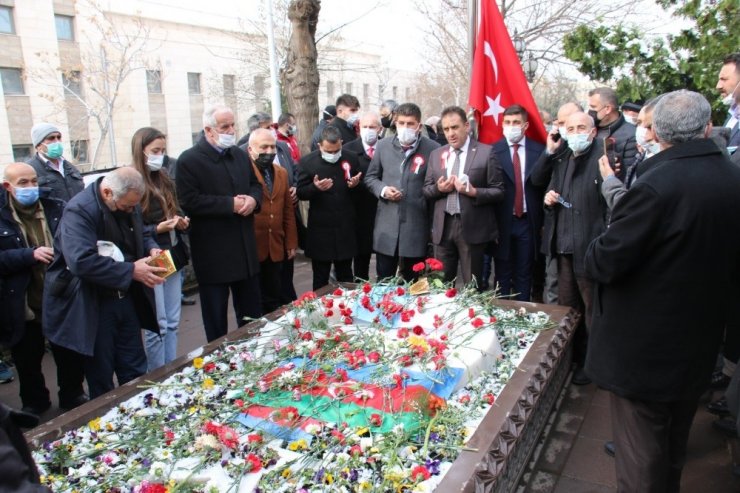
(570, 457)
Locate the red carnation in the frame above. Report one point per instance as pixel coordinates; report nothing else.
(418, 267)
(489, 398)
(418, 330)
(376, 419)
(338, 292)
(451, 293)
(374, 357)
(366, 288)
(254, 438)
(147, 487)
(420, 473)
(402, 333)
(297, 323)
(435, 264)
(355, 451)
(477, 322)
(471, 313)
(254, 463)
(400, 291)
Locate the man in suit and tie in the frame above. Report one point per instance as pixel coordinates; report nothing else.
(366, 204)
(728, 86)
(519, 215)
(463, 183)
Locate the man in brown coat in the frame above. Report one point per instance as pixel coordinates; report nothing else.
(274, 225)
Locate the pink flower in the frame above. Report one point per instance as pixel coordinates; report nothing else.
(418, 267)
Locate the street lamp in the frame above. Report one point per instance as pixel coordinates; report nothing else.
(519, 45)
(529, 64)
(530, 67)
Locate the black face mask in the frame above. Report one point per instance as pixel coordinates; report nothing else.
(265, 159)
(121, 214)
(386, 121)
(592, 114)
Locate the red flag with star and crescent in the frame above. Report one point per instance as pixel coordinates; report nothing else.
(498, 80)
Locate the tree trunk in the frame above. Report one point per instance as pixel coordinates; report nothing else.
(300, 76)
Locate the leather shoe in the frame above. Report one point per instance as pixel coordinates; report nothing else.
(36, 410)
(727, 426)
(719, 381)
(187, 301)
(580, 377)
(67, 404)
(719, 407)
(609, 448)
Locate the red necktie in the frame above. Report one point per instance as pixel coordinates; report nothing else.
(370, 152)
(518, 188)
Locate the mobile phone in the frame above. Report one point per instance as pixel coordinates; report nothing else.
(609, 144)
(556, 137)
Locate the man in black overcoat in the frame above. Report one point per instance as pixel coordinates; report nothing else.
(667, 270)
(219, 191)
(326, 178)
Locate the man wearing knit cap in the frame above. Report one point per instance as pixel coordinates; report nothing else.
(54, 172)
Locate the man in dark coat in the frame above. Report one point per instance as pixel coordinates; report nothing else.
(97, 291)
(519, 215)
(604, 109)
(579, 215)
(366, 204)
(327, 115)
(326, 178)
(652, 347)
(18, 471)
(462, 183)
(27, 227)
(54, 172)
(219, 191)
(396, 177)
(348, 108)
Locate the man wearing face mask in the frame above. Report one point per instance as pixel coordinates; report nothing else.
(28, 224)
(328, 113)
(220, 192)
(366, 204)
(396, 176)
(327, 179)
(54, 172)
(604, 109)
(631, 111)
(519, 215)
(579, 214)
(387, 118)
(286, 131)
(98, 289)
(274, 224)
(728, 85)
(348, 108)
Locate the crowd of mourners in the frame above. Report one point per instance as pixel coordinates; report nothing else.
(627, 213)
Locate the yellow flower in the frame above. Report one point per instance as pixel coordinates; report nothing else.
(94, 424)
(208, 383)
(198, 363)
(285, 473)
(99, 446)
(328, 479)
(298, 445)
(364, 487)
(419, 342)
(109, 426)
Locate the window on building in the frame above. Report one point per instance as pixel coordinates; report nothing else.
(72, 82)
(22, 153)
(79, 151)
(348, 88)
(6, 20)
(330, 89)
(65, 27)
(229, 89)
(194, 83)
(259, 86)
(12, 80)
(395, 92)
(154, 81)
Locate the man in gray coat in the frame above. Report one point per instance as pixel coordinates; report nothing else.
(396, 176)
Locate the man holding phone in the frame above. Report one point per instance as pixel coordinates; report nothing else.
(604, 109)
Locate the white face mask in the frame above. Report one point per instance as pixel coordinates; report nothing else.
(730, 98)
(226, 140)
(369, 136)
(352, 118)
(640, 133)
(406, 136)
(579, 143)
(630, 119)
(513, 134)
(652, 148)
(331, 158)
(154, 161)
(563, 133)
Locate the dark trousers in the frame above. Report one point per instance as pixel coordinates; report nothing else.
(453, 249)
(650, 439)
(70, 374)
(270, 285)
(361, 267)
(387, 265)
(576, 292)
(322, 270)
(214, 300)
(514, 275)
(287, 289)
(118, 347)
(27, 354)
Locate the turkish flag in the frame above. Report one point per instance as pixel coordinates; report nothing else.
(498, 79)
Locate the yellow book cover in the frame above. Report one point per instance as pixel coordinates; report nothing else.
(164, 260)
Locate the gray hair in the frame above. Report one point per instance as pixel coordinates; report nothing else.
(650, 105)
(258, 119)
(607, 95)
(681, 116)
(124, 180)
(209, 115)
(391, 104)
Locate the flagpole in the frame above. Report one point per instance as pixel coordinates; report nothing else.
(472, 35)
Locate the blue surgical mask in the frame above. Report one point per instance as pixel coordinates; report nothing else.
(352, 118)
(27, 196)
(578, 143)
(54, 150)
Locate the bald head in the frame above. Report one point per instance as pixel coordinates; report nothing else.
(13, 170)
(566, 110)
(579, 122)
(19, 176)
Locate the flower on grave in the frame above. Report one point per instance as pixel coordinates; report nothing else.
(376, 419)
(198, 363)
(451, 293)
(147, 487)
(420, 473)
(253, 462)
(489, 398)
(477, 322)
(297, 445)
(418, 267)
